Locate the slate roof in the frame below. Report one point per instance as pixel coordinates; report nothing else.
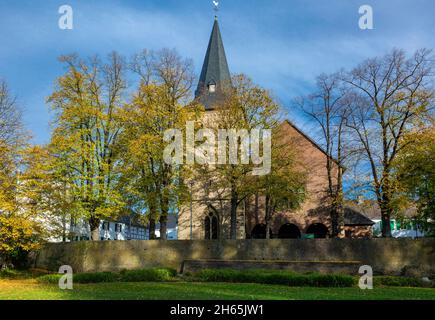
(355, 218)
(371, 209)
(214, 71)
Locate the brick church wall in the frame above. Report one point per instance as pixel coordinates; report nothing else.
(309, 158)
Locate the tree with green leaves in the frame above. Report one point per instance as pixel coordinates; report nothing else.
(86, 102)
(161, 103)
(284, 187)
(246, 107)
(415, 174)
(19, 228)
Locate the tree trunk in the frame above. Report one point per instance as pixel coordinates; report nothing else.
(164, 206)
(257, 218)
(267, 216)
(234, 199)
(337, 219)
(334, 221)
(152, 230)
(386, 221)
(94, 224)
(163, 226)
(339, 201)
(386, 212)
(340, 221)
(63, 229)
(267, 230)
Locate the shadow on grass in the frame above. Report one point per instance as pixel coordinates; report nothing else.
(29, 289)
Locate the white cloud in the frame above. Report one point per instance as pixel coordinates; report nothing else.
(282, 46)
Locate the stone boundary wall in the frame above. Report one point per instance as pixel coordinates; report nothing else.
(386, 256)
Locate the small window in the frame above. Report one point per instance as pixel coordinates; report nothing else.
(105, 226)
(212, 86)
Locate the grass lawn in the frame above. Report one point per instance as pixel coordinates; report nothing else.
(31, 289)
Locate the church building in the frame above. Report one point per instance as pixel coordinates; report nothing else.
(208, 218)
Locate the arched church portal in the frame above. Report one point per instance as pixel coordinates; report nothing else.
(319, 230)
(289, 231)
(259, 232)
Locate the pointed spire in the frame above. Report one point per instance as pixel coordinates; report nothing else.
(215, 74)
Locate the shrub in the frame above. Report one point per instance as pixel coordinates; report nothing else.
(95, 277)
(49, 278)
(17, 239)
(156, 274)
(9, 274)
(400, 281)
(276, 277)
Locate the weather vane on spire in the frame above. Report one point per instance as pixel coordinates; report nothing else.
(216, 6)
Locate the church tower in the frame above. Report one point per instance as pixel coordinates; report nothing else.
(215, 74)
(208, 216)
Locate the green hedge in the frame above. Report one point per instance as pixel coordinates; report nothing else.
(389, 281)
(95, 277)
(9, 274)
(148, 275)
(228, 275)
(276, 277)
(155, 274)
(49, 278)
(22, 274)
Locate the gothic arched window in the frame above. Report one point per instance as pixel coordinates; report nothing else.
(211, 227)
(207, 228)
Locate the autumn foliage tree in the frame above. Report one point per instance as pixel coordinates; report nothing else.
(284, 188)
(86, 102)
(415, 173)
(246, 106)
(19, 228)
(390, 95)
(162, 102)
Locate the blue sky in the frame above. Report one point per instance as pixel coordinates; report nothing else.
(281, 44)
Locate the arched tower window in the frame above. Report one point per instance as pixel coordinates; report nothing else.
(211, 227)
(211, 86)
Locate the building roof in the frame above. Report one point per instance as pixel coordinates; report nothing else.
(215, 71)
(371, 209)
(132, 220)
(355, 218)
(135, 221)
